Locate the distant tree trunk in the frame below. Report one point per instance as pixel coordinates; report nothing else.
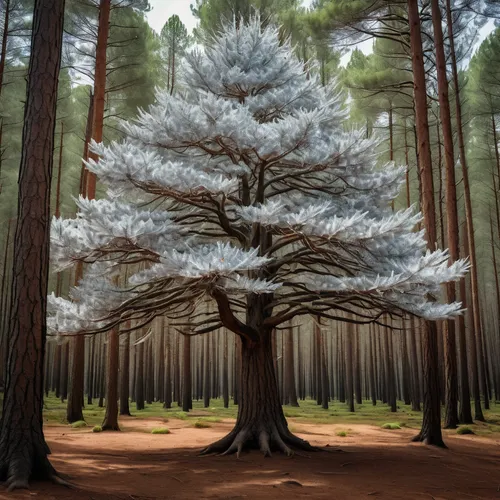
(161, 363)
(357, 367)
(206, 375)
(187, 402)
(23, 450)
(415, 382)
(473, 343)
(139, 377)
(168, 375)
(225, 374)
(4, 309)
(150, 384)
(349, 365)
(5, 34)
(450, 365)
(91, 369)
(110, 422)
(389, 372)
(102, 374)
(464, 410)
(290, 370)
(125, 377)
(373, 383)
(431, 424)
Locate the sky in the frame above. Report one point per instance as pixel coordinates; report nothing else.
(163, 9)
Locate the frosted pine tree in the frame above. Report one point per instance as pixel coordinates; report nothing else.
(246, 188)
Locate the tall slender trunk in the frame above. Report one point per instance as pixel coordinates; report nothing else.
(206, 375)
(464, 383)
(225, 373)
(4, 307)
(450, 365)
(110, 422)
(125, 377)
(139, 377)
(431, 424)
(290, 369)
(187, 402)
(349, 366)
(5, 34)
(168, 375)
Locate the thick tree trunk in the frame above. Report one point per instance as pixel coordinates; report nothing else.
(431, 424)
(110, 422)
(23, 450)
(261, 422)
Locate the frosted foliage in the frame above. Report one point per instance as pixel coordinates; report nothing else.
(245, 187)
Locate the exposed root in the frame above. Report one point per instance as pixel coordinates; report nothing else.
(265, 446)
(428, 440)
(219, 446)
(265, 438)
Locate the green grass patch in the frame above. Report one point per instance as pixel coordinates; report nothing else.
(342, 434)
(464, 429)
(79, 424)
(160, 430)
(391, 426)
(97, 428)
(201, 425)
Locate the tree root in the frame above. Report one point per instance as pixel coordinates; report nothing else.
(265, 438)
(422, 438)
(17, 476)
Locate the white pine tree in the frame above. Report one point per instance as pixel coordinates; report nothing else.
(246, 188)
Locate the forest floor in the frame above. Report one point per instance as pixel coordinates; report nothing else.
(374, 463)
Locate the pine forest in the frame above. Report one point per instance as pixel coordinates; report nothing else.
(250, 249)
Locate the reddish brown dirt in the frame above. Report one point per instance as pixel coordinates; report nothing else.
(376, 463)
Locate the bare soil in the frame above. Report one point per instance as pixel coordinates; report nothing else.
(375, 463)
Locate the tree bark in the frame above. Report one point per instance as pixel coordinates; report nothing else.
(23, 450)
(139, 377)
(110, 422)
(290, 370)
(187, 402)
(431, 424)
(261, 422)
(206, 375)
(450, 365)
(464, 410)
(125, 377)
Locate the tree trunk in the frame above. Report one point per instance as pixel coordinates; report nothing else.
(206, 375)
(349, 366)
(168, 376)
(261, 422)
(225, 374)
(139, 377)
(290, 370)
(23, 450)
(110, 422)
(125, 377)
(465, 410)
(450, 365)
(5, 34)
(187, 402)
(431, 424)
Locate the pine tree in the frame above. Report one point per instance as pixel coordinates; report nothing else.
(270, 208)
